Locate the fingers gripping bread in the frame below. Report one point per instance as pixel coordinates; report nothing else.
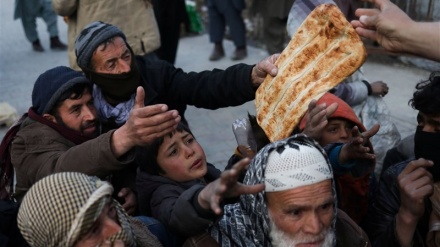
(322, 53)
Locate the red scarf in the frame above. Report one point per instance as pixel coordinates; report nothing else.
(71, 135)
(6, 169)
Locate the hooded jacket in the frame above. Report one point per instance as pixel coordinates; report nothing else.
(38, 151)
(355, 184)
(175, 204)
(381, 220)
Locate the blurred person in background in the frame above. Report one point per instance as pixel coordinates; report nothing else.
(134, 17)
(28, 11)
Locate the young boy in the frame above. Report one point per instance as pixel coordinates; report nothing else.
(178, 187)
(335, 126)
(332, 129)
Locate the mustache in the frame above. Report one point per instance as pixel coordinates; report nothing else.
(89, 124)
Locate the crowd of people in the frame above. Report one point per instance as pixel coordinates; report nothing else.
(105, 157)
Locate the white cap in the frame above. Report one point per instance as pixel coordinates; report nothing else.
(293, 166)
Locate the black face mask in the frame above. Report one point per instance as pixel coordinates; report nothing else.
(118, 87)
(427, 146)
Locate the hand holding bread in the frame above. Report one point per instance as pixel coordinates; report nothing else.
(321, 54)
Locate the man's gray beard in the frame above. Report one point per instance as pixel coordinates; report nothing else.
(283, 239)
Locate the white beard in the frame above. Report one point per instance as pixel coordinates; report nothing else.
(282, 239)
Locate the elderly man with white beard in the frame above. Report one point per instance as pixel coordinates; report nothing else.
(297, 207)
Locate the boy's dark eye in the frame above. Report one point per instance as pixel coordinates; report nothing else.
(333, 130)
(173, 152)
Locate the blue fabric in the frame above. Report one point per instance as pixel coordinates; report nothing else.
(334, 160)
(165, 237)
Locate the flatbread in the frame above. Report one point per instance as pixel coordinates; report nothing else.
(321, 54)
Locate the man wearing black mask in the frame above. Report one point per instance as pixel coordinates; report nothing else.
(406, 211)
(108, 61)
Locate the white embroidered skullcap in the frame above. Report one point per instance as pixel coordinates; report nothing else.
(295, 166)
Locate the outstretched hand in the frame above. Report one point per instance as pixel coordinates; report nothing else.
(145, 124)
(263, 68)
(317, 119)
(386, 25)
(379, 88)
(226, 187)
(356, 147)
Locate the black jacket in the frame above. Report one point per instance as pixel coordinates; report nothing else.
(381, 220)
(175, 204)
(165, 84)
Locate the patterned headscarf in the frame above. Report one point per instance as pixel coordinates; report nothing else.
(247, 223)
(61, 208)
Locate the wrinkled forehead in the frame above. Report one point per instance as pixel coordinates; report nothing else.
(307, 196)
(113, 41)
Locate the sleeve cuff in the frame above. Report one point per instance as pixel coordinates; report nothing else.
(334, 160)
(204, 213)
(367, 84)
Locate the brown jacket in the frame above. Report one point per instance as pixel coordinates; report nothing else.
(348, 233)
(38, 151)
(134, 17)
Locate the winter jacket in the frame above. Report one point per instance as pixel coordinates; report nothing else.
(134, 17)
(381, 221)
(165, 84)
(348, 233)
(175, 204)
(38, 151)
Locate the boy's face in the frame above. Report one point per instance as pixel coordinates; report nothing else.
(337, 130)
(181, 157)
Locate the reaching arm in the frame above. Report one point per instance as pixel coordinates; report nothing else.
(226, 186)
(356, 148)
(144, 124)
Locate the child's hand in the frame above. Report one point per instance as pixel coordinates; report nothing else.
(355, 148)
(227, 186)
(379, 88)
(317, 119)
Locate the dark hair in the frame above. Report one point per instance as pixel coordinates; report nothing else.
(426, 98)
(146, 156)
(75, 92)
(260, 136)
